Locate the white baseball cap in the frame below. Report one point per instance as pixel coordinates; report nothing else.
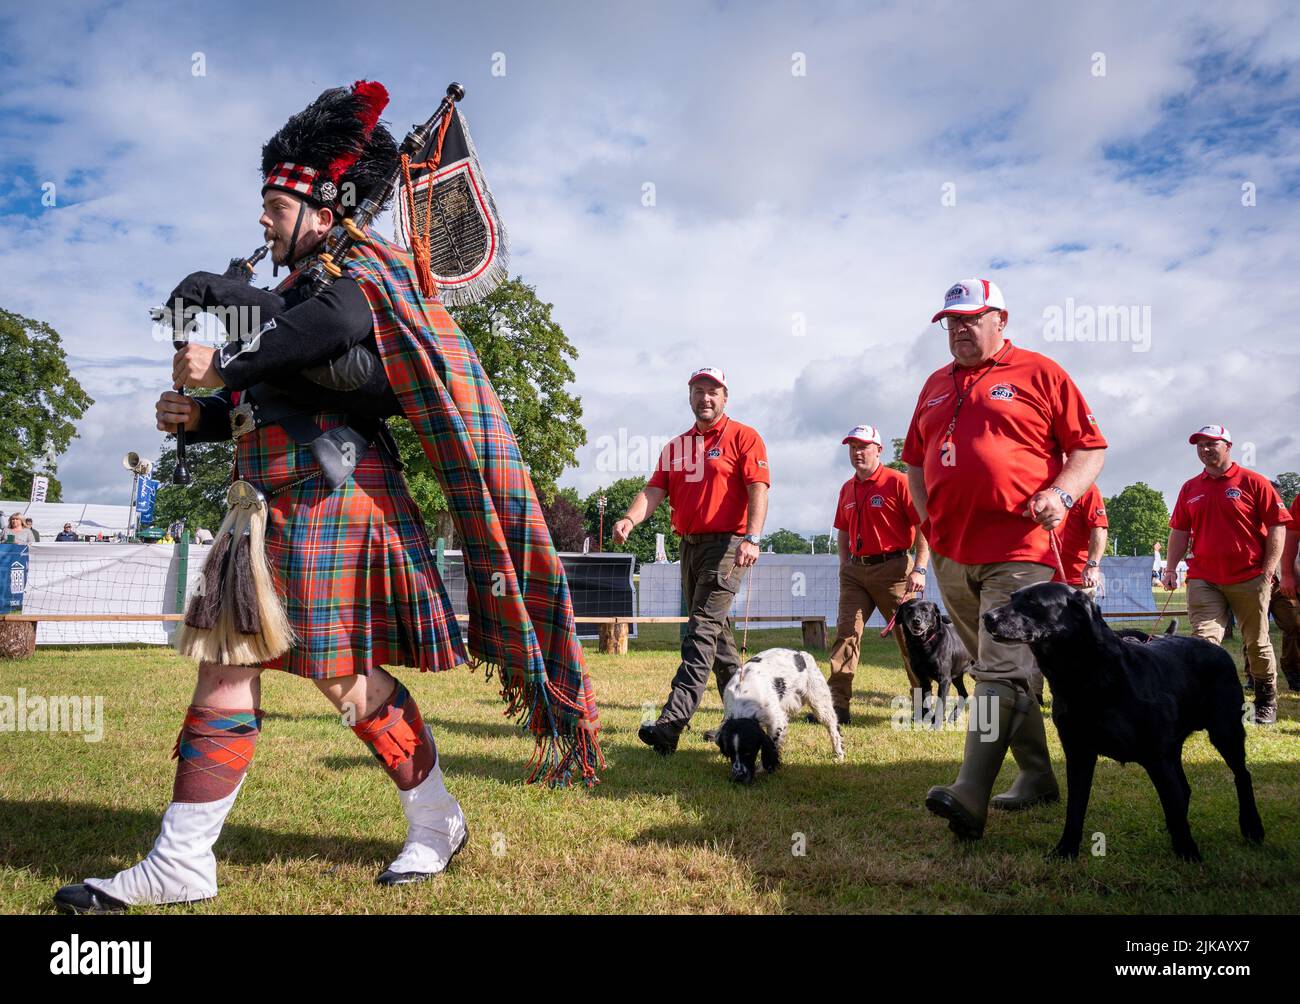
(709, 373)
(863, 434)
(1211, 432)
(971, 296)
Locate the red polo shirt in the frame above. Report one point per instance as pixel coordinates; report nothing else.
(876, 512)
(1087, 513)
(1021, 413)
(1229, 518)
(706, 476)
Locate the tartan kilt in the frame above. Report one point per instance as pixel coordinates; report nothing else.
(356, 571)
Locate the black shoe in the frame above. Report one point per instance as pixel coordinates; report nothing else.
(387, 877)
(1292, 678)
(1249, 685)
(661, 738)
(80, 898)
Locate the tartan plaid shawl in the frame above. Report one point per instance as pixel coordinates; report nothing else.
(521, 617)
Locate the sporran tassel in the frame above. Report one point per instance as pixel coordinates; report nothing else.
(240, 600)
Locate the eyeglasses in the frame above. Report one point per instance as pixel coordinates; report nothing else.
(950, 321)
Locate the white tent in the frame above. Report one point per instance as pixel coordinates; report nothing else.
(86, 519)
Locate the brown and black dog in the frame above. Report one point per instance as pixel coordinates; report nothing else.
(1131, 701)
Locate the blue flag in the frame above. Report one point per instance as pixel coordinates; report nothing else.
(146, 493)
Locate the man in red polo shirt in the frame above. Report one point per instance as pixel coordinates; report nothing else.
(876, 522)
(1239, 522)
(1285, 606)
(1000, 445)
(1083, 541)
(715, 477)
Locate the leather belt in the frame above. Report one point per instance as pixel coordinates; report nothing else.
(876, 559)
(336, 451)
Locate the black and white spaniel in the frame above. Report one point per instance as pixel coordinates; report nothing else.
(759, 700)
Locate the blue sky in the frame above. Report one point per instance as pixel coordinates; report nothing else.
(803, 228)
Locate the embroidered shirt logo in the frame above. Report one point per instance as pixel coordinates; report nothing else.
(1002, 392)
(1233, 493)
(936, 400)
(877, 501)
(1195, 498)
(762, 463)
(714, 453)
(850, 505)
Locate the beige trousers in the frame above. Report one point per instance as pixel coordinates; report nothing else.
(969, 592)
(1207, 608)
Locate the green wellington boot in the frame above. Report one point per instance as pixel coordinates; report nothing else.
(965, 802)
(1035, 784)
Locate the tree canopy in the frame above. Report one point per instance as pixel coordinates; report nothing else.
(40, 402)
(1139, 519)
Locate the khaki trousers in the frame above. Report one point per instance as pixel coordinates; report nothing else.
(863, 590)
(1208, 606)
(969, 592)
(710, 581)
(1286, 612)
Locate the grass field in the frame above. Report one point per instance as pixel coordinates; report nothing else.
(317, 819)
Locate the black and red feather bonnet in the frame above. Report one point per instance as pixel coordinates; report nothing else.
(335, 152)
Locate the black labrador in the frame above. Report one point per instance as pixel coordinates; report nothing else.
(935, 652)
(1130, 701)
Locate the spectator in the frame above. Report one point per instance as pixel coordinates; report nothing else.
(1239, 522)
(67, 536)
(36, 535)
(1000, 445)
(17, 532)
(715, 476)
(876, 522)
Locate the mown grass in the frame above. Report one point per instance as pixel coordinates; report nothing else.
(317, 819)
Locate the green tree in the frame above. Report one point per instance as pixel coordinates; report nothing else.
(40, 401)
(1289, 481)
(897, 463)
(1139, 519)
(785, 541)
(526, 356)
(618, 497)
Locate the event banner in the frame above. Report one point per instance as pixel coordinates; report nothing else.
(13, 583)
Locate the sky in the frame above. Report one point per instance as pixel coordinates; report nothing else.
(781, 190)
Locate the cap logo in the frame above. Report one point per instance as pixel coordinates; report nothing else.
(327, 191)
(1002, 392)
(958, 292)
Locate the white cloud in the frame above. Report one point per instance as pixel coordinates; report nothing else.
(776, 195)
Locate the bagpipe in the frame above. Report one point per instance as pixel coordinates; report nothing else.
(447, 218)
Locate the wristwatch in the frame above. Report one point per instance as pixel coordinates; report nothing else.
(753, 538)
(1067, 499)
(1092, 564)
(919, 571)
